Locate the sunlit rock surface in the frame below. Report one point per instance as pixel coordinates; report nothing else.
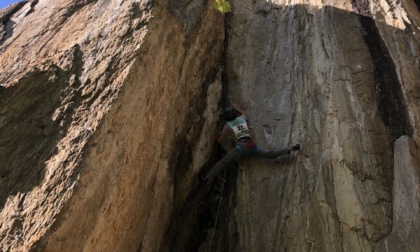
(98, 99)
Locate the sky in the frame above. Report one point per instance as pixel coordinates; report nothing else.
(4, 3)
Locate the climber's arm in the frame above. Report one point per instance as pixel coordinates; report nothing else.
(223, 134)
(240, 111)
(221, 138)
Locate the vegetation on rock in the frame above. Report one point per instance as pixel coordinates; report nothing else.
(222, 6)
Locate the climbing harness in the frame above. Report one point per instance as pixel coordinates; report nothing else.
(251, 147)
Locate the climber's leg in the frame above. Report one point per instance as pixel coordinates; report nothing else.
(232, 156)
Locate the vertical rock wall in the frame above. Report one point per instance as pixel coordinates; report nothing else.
(167, 106)
(100, 103)
(62, 64)
(109, 110)
(340, 78)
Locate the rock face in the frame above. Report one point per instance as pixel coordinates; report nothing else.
(406, 197)
(109, 111)
(98, 100)
(341, 80)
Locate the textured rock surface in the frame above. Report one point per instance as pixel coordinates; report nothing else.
(337, 78)
(406, 198)
(109, 110)
(72, 179)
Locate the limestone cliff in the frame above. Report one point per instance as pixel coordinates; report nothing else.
(109, 111)
(341, 78)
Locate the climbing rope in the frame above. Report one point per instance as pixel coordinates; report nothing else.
(218, 210)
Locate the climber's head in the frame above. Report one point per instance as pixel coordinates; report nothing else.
(230, 114)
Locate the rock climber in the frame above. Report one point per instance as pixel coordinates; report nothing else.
(237, 128)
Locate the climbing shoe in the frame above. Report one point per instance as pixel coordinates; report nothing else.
(296, 147)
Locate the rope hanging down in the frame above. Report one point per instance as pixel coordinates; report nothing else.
(218, 210)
